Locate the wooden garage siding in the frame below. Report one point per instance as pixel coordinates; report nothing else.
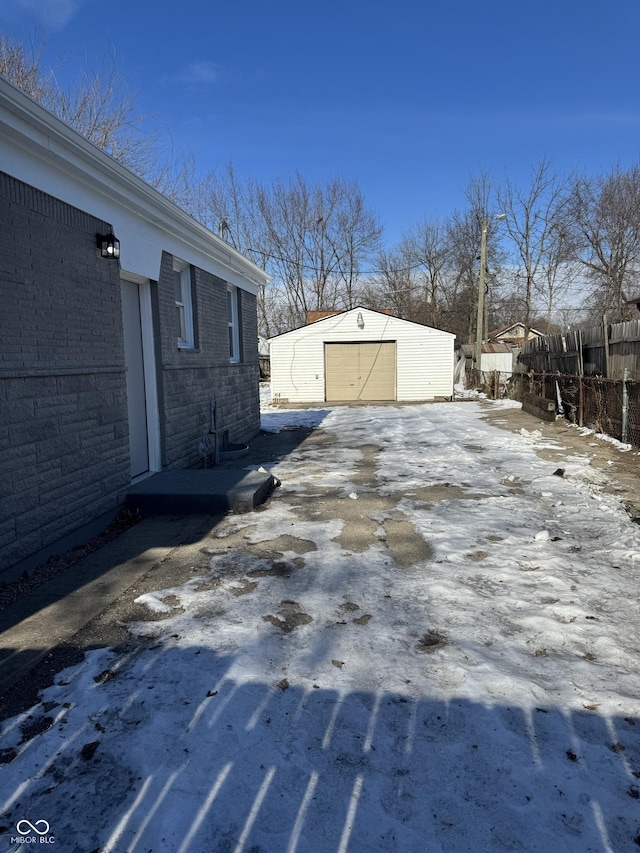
(424, 356)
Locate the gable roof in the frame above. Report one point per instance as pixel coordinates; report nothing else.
(39, 149)
(509, 327)
(312, 316)
(332, 316)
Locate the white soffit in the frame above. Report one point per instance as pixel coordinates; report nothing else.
(40, 150)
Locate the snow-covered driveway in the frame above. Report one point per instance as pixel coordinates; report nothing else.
(427, 641)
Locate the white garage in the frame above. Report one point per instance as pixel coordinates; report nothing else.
(361, 355)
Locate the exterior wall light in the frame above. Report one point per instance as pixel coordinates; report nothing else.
(109, 246)
(360, 320)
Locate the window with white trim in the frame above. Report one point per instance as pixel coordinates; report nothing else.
(184, 308)
(232, 316)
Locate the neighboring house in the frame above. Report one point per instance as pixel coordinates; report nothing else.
(513, 334)
(108, 367)
(361, 355)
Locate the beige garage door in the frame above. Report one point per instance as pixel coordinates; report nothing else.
(360, 371)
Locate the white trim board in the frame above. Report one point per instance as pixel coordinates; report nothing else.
(40, 150)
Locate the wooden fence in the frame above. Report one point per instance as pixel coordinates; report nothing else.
(594, 372)
(606, 350)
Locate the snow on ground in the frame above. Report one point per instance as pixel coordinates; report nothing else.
(428, 641)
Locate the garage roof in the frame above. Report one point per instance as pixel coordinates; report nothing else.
(333, 314)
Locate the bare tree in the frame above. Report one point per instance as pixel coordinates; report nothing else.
(316, 239)
(25, 70)
(228, 207)
(536, 224)
(313, 239)
(359, 233)
(559, 272)
(461, 287)
(606, 214)
(426, 249)
(391, 286)
(97, 105)
(464, 237)
(289, 242)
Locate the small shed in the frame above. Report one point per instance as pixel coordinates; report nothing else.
(496, 357)
(361, 355)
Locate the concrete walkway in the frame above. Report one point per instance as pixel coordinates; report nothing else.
(54, 612)
(49, 618)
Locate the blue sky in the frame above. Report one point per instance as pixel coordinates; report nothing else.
(407, 98)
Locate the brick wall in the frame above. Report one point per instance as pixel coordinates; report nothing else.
(191, 379)
(64, 436)
(64, 451)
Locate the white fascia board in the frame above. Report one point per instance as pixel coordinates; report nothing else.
(343, 317)
(40, 150)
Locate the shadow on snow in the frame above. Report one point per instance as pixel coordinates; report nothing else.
(204, 763)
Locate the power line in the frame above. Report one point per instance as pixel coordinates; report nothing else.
(303, 266)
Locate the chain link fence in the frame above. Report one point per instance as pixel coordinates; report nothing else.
(608, 406)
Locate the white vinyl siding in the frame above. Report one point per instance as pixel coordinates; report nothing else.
(424, 356)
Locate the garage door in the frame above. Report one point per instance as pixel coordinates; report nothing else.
(360, 371)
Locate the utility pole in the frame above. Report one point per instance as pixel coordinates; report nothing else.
(480, 317)
(481, 288)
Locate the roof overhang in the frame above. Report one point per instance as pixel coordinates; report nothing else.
(334, 315)
(42, 151)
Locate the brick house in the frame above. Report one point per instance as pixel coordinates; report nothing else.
(108, 366)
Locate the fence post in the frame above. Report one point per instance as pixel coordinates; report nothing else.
(580, 402)
(605, 329)
(625, 405)
(580, 355)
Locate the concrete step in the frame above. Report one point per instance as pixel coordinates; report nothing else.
(188, 492)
